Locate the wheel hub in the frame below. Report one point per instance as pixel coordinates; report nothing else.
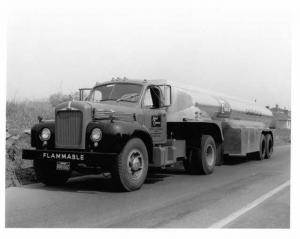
(135, 162)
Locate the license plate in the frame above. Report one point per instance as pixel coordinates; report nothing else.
(63, 166)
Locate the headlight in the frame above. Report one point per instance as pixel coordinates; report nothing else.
(45, 134)
(96, 135)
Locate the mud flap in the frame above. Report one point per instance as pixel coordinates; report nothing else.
(220, 154)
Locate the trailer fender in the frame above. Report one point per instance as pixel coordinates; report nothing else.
(192, 131)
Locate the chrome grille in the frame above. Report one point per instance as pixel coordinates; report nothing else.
(68, 128)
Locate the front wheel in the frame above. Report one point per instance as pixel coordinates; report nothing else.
(130, 168)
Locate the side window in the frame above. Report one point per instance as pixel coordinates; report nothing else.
(153, 97)
(148, 102)
(166, 95)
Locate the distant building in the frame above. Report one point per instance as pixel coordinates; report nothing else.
(282, 117)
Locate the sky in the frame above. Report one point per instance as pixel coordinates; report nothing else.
(238, 48)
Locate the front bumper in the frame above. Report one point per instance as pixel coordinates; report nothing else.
(86, 157)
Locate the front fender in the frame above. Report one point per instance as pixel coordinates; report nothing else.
(35, 132)
(116, 134)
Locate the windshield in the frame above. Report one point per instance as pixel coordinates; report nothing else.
(116, 92)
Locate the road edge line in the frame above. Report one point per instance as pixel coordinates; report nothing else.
(225, 221)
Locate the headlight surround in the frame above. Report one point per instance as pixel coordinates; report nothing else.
(45, 134)
(96, 135)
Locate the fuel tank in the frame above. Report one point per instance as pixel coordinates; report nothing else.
(199, 105)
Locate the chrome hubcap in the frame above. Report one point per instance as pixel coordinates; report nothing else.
(135, 163)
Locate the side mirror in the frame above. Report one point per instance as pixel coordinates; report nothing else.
(84, 93)
(167, 95)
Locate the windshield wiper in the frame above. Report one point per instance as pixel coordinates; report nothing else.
(106, 100)
(127, 97)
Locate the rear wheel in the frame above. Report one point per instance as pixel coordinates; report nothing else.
(260, 155)
(46, 173)
(130, 169)
(269, 146)
(202, 160)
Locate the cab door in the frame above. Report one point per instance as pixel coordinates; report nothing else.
(155, 114)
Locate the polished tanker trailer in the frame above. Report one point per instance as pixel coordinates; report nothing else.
(126, 126)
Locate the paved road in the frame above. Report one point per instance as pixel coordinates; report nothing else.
(244, 193)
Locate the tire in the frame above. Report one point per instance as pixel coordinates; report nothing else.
(260, 155)
(46, 173)
(220, 154)
(269, 146)
(130, 168)
(202, 160)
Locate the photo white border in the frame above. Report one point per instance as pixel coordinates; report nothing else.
(170, 233)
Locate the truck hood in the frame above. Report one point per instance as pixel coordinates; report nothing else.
(117, 107)
(100, 110)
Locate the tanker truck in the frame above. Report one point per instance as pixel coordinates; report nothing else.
(126, 126)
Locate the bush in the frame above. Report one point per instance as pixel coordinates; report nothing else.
(58, 98)
(19, 117)
(23, 115)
